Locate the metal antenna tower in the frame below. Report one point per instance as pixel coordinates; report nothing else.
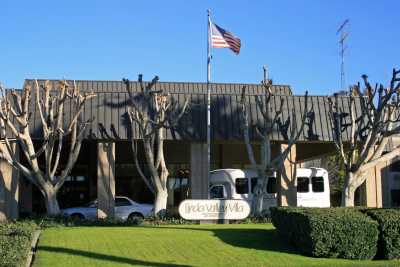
(343, 36)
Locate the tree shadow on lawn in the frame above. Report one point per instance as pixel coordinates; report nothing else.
(105, 257)
(259, 239)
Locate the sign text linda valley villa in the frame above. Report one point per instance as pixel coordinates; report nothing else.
(214, 209)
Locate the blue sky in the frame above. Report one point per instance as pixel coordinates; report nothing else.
(108, 40)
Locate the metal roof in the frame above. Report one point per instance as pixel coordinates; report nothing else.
(171, 87)
(109, 110)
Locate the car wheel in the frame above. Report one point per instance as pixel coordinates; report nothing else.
(77, 216)
(136, 216)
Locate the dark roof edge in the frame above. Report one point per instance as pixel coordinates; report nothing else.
(180, 82)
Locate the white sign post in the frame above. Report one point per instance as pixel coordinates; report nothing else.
(214, 209)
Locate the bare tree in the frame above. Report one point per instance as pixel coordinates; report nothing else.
(273, 121)
(153, 111)
(370, 130)
(15, 114)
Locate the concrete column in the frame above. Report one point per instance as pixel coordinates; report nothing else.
(386, 177)
(372, 187)
(287, 195)
(368, 190)
(9, 185)
(378, 182)
(105, 179)
(198, 171)
(4, 172)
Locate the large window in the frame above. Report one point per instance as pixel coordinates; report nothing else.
(128, 182)
(178, 183)
(395, 166)
(302, 184)
(75, 191)
(271, 185)
(217, 192)
(242, 185)
(395, 195)
(317, 184)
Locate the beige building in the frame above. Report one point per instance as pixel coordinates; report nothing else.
(105, 166)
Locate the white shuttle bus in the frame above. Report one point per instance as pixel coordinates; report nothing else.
(312, 186)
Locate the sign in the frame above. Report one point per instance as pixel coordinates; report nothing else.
(214, 209)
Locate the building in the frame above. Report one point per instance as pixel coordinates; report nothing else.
(105, 166)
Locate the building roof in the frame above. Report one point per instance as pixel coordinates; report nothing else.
(171, 87)
(109, 110)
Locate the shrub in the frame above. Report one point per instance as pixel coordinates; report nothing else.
(60, 221)
(15, 242)
(165, 221)
(328, 232)
(253, 220)
(389, 232)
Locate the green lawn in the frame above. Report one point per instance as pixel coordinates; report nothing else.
(189, 245)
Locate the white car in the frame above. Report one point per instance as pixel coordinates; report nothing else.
(124, 209)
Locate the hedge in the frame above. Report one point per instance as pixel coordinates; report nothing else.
(389, 232)
(15, 242)
(328, 232)
(61, 221)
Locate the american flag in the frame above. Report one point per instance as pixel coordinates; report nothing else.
(221, 38)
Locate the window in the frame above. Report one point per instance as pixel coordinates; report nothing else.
(395, 195)
(395, 166)
(178, 183)
(120, 202)
(80, 178)
(271, 185)
(302, 184)
(253, 184)
(242, 185)
(317, 184)
(217, 192)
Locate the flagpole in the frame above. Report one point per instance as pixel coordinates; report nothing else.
(208, 98)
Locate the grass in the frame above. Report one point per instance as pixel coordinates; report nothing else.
(184, 245)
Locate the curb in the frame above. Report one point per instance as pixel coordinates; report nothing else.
(31, 255)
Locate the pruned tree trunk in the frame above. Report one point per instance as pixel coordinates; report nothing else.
(348, 197)
(257, 205)
(153, 112)
(376, 121)
(348, 192)
(269, 164)
(50, 196)
(15, 114)
(160, 202)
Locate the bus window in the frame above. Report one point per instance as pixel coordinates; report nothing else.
(271, 185)
(242, 185)
(302, 184)
(317, 184)
(217, 192)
